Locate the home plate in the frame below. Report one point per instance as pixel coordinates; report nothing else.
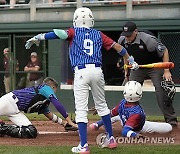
(43, 132)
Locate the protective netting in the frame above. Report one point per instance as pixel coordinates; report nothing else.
(18, 55)
(171, 40)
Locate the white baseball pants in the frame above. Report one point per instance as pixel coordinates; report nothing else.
(9, 108)
(149, 126)
(89, 77)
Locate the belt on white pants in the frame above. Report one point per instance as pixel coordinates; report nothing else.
(79, 67)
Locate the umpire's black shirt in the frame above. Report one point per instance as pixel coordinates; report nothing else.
(145, 48)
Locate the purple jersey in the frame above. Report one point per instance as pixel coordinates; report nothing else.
(27, 94)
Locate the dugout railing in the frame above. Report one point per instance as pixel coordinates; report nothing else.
(46, 3)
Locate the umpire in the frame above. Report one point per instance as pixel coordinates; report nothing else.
(146, 49)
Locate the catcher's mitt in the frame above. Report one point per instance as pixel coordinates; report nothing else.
(169, 87)
(69, 127)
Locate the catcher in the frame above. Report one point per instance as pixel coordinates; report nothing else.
(30, 100)
(131, 114)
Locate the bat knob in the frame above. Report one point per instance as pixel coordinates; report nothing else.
(171, 65)
(125, 66)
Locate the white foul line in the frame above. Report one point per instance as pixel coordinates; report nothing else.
(43, 132)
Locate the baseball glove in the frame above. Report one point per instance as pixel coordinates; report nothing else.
(69, 127)
(169, 88)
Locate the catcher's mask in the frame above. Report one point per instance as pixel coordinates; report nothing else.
(169, 87)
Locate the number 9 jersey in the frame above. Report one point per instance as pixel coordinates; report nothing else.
(86, 45)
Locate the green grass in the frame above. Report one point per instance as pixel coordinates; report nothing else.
(35, 116)
(124, 149)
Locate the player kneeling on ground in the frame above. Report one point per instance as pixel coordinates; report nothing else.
(30, 100)
(132, 116)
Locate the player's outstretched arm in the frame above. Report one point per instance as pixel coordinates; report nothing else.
(32, 41)
(54, 118)
(56, 34)
(59, 106)
(36, 39)
(67, 124)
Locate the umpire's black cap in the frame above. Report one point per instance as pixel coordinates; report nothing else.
(128, 28)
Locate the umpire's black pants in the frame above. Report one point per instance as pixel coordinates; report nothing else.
(156, 77)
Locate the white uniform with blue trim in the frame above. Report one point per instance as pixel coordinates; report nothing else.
(86, 60)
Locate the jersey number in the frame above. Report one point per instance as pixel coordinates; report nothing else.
(88, 46)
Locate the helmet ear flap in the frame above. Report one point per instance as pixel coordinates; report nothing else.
(169, 87)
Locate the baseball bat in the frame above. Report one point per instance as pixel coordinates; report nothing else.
(159, 65)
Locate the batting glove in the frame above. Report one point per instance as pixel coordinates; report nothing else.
(32, 41)
(131, 61)
(135, 66)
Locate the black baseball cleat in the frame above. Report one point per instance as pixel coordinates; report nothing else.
(69, 127)
(2, 123)
(173, 123)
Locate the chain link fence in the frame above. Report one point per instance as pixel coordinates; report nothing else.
(19, 54)
(18, 59)
(4, 43)
(171, 40)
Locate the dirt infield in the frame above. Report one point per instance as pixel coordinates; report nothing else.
(54, 134)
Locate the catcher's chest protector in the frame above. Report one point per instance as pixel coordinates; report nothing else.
(37, 103)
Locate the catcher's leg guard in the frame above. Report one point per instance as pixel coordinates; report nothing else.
(19, 132)
(28, 131)
(1, 125)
